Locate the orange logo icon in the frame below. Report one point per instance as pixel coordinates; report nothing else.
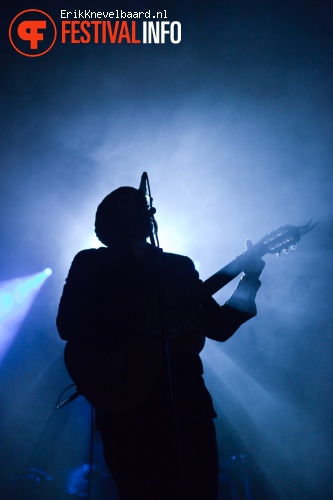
(32, 33)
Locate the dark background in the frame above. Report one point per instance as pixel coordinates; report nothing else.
(234, 127)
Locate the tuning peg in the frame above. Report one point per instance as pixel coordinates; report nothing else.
(286, 250)
(278, 255)
(293, 248)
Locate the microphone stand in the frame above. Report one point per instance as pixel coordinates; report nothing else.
(153, 237)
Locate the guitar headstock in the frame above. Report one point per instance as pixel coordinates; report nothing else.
(283, 239)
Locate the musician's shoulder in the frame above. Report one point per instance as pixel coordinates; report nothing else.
(174, 259)
(90, 254)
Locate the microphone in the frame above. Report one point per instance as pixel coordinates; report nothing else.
(144, 189)
(143, 184)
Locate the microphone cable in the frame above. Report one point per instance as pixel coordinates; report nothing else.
(64, 403)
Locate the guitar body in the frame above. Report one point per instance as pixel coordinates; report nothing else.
(115, 380)
(119, 378)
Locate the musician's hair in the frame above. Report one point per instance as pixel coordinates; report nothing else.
(122, 213)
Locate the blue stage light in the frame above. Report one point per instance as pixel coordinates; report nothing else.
(16, 298)
(6, 303)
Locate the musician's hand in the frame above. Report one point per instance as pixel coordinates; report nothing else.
(254, 264)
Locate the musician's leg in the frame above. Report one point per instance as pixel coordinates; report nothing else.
(142, 456)
(201, 460)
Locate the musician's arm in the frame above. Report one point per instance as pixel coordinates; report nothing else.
(74, 320)
(221, 322)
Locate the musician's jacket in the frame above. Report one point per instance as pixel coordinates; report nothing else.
(111, 300)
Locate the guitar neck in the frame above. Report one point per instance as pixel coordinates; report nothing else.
(230, 271)
(222, 277)
(282, 239)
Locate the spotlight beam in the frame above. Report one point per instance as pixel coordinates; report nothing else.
(16, 298)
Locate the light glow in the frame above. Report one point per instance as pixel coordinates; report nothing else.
(16, 298)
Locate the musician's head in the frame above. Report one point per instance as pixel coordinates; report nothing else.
(122, 215)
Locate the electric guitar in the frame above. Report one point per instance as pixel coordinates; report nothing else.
(128, 371)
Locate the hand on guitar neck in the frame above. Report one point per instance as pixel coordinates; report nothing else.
(253, 264)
